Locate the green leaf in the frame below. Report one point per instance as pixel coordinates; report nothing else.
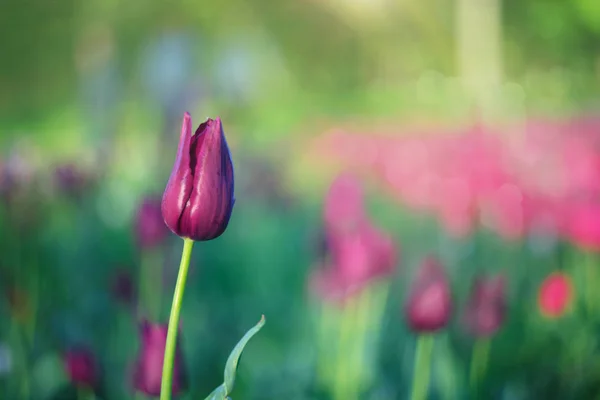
(218, 394)
(223, 391)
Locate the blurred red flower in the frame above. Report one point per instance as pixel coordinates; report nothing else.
(555, 295)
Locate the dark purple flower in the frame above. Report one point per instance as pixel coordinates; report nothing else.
(149, 366)
(150, 227)
(123, 287)
(70, 180)
(429, 306)
(81, 367)
(486, 307)
(198, 199)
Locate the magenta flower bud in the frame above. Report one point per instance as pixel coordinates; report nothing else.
(149, 366)
(198, 199)
(150, 228)
(81, 367)
(486, 308)
(429, 306)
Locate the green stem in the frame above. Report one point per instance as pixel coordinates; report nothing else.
(326, 325)
(140, 396)
(590, 290)
(34, 300)
(342, 384)
(167, 375)
(422, 367)
(85, 393)
(25, 382)
(479, 359)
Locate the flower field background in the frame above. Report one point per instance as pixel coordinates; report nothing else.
(417, 198)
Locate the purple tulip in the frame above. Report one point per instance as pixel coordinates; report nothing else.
(429, 306)
(486, 309)
(150, 227)
(149, 367)
(198, 199)
(81, 367)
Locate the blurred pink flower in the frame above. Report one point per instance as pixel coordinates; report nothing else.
(356, 258)
(457, 209)
(356, 251)
(150, 228)
(582, 164)
(429, 305)
(149, 366)
(555, 295)
(486, 307)
(344, 205)
(80, 365)
(504, 212)
(583, 224)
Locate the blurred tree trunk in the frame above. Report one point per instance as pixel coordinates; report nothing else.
(479, 47)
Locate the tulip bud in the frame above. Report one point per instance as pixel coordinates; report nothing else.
(81, 367)
(149, 366)
(198, 200)
(150, 227)
(486, 307)
(429, 306)
(555, 295)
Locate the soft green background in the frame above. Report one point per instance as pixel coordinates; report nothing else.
(80, 76)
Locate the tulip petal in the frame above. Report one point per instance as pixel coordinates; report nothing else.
(179, 186)
(211, 201)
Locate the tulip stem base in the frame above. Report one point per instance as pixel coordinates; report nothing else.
(85, 393)
(422, 367)
(479, 360)
(170, 347)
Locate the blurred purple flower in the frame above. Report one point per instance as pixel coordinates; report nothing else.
(429, 306)
(81, 367)
(486, 308)
(70, 180)
(198, 200)
(123, 288)
(149, 366)
(358, 251)
(18, 171)
(150, 227)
